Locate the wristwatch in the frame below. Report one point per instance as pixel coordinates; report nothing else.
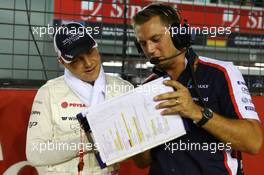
(207, 114)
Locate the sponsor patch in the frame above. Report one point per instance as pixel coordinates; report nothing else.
(67, 104)
(35, 113)
(250, 108)
(68, 118)
(246, 100)
(64, 104)
(31, 124)
(245, 90)
(38, 102)
(241, 83)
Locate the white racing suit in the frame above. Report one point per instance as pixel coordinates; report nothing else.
(53, 135)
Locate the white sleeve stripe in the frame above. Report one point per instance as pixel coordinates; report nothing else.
(238, 90)
(231, 164)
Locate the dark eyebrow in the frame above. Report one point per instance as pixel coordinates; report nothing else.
(156, 35)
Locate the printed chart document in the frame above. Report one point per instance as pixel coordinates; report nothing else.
(129, 124)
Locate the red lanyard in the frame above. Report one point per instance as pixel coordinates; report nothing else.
(81, 154)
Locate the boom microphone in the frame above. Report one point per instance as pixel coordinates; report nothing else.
(156, 60)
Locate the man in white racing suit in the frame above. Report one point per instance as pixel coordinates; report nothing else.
(54, 135)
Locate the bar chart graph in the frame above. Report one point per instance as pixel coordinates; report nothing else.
(130, 124)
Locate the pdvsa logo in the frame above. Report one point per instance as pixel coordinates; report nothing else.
(78, 105)
(64, 104)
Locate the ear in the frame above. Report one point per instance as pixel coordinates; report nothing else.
(60, 60)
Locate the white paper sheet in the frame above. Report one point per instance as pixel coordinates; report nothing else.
(129, 124)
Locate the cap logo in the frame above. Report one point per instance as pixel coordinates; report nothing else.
(69, 56)
(70, 40)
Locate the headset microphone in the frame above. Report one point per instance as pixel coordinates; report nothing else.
(156, 60)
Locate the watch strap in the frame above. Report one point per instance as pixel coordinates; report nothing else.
(205, 117)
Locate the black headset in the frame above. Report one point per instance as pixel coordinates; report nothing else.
(181, 40)
(180, 34)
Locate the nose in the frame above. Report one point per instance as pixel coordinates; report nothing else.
(150, 48)
(87, 61)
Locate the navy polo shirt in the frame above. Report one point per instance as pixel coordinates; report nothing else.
(223, 90)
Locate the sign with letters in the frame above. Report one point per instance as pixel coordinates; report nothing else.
(240, 19)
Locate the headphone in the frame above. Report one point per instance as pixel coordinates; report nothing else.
(181, 37)
(182, 40)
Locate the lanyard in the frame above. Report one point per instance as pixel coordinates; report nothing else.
(81, 154)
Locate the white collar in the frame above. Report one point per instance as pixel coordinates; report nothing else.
(100, 82)
(89, 94)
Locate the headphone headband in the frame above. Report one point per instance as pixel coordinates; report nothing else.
(168, 11)
(182, 37)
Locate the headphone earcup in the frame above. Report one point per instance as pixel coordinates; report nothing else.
(180, 36)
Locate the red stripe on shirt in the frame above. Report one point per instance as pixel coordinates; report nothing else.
(229, 85)
(226, 164)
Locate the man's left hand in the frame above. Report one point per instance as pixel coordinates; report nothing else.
(178, 102)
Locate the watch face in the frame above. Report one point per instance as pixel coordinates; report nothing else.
(208, 113)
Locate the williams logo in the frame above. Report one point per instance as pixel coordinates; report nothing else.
(68, 118)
